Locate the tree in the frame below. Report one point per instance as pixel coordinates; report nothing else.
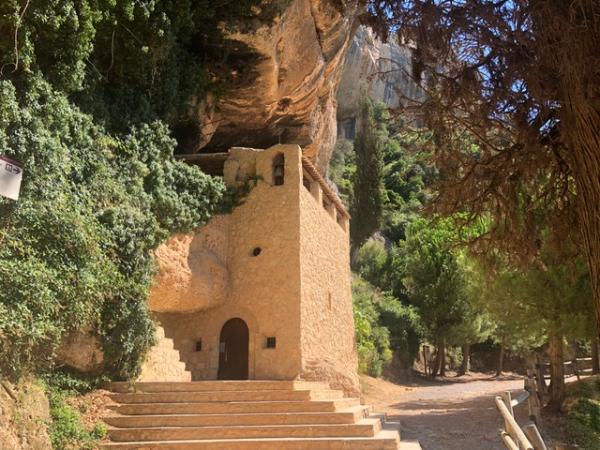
(434, 283)
(475, 327)
(519, 78)
(367, 200)
(545, 304)
(372, 339)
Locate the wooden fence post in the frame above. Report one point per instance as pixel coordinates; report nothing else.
(533, 402)
(533, 434)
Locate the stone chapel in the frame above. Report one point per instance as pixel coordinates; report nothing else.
(264, 292)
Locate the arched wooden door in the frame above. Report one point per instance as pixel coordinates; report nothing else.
(233, 350)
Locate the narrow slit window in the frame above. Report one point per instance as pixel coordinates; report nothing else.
(278, 169)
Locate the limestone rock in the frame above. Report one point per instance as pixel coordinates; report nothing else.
(24, 414)
(81, 350)
(292, 98)
(192, 270)
(383, 70)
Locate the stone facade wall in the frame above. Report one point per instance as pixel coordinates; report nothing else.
(263, 290)
(283, 267)
(327, 322)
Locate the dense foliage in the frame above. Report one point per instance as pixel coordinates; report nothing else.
(384, 326)
(583, 417)
(372, 339)
(367, 198)
(76, 247)
(519, 80)
(131, 62)
(397, 175)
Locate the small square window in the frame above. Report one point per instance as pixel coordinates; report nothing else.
(271, 342)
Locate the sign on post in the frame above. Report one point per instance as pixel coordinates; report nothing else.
(11, 174)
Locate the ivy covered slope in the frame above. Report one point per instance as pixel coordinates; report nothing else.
(89, 94)
(76, 247)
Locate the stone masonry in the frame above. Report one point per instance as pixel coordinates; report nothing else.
(279, 261)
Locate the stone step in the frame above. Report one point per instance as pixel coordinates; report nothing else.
(409, 445)
(352, 415)
(384, 440)
(363, 428)
(253, 407)
(227, 396)
(213, 386)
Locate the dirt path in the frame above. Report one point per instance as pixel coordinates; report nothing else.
(453, 414)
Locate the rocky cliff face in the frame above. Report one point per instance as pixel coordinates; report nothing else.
(382, 70)
(24, 415)
(292, 98)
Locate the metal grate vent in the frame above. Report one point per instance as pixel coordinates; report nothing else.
(271, 342)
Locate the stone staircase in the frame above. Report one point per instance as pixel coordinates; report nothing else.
(244, 415)
(163, 361)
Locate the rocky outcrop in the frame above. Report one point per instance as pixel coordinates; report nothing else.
(81, 350)
(192, 274)
(382, 70)
(24, 415)
(291, 98)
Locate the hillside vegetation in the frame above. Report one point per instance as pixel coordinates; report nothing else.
(89, 95)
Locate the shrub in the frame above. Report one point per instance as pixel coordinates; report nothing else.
(77, 246)
(372, 339)
(583, 424)
(405, 327)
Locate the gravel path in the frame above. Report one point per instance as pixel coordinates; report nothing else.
(453, 414)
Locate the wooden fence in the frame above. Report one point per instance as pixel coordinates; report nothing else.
(513, 435)
(576, 367)
(526, 437)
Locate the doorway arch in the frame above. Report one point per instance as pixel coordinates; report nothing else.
(233, 350)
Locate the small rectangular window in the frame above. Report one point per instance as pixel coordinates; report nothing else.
(271, 342)
(199, 345)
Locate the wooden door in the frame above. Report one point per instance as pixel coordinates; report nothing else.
(233, 350)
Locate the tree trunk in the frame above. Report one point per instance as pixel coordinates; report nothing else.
(500, 361)
(437, 364)
(442, 351)
(587, 167)
(595, 356)
(566, 42)
(465, 367)
(557, 371)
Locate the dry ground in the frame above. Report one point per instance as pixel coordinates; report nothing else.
(456, 413)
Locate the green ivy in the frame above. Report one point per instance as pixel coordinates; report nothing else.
(76, 248)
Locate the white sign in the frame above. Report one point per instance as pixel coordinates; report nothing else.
(11, 174)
